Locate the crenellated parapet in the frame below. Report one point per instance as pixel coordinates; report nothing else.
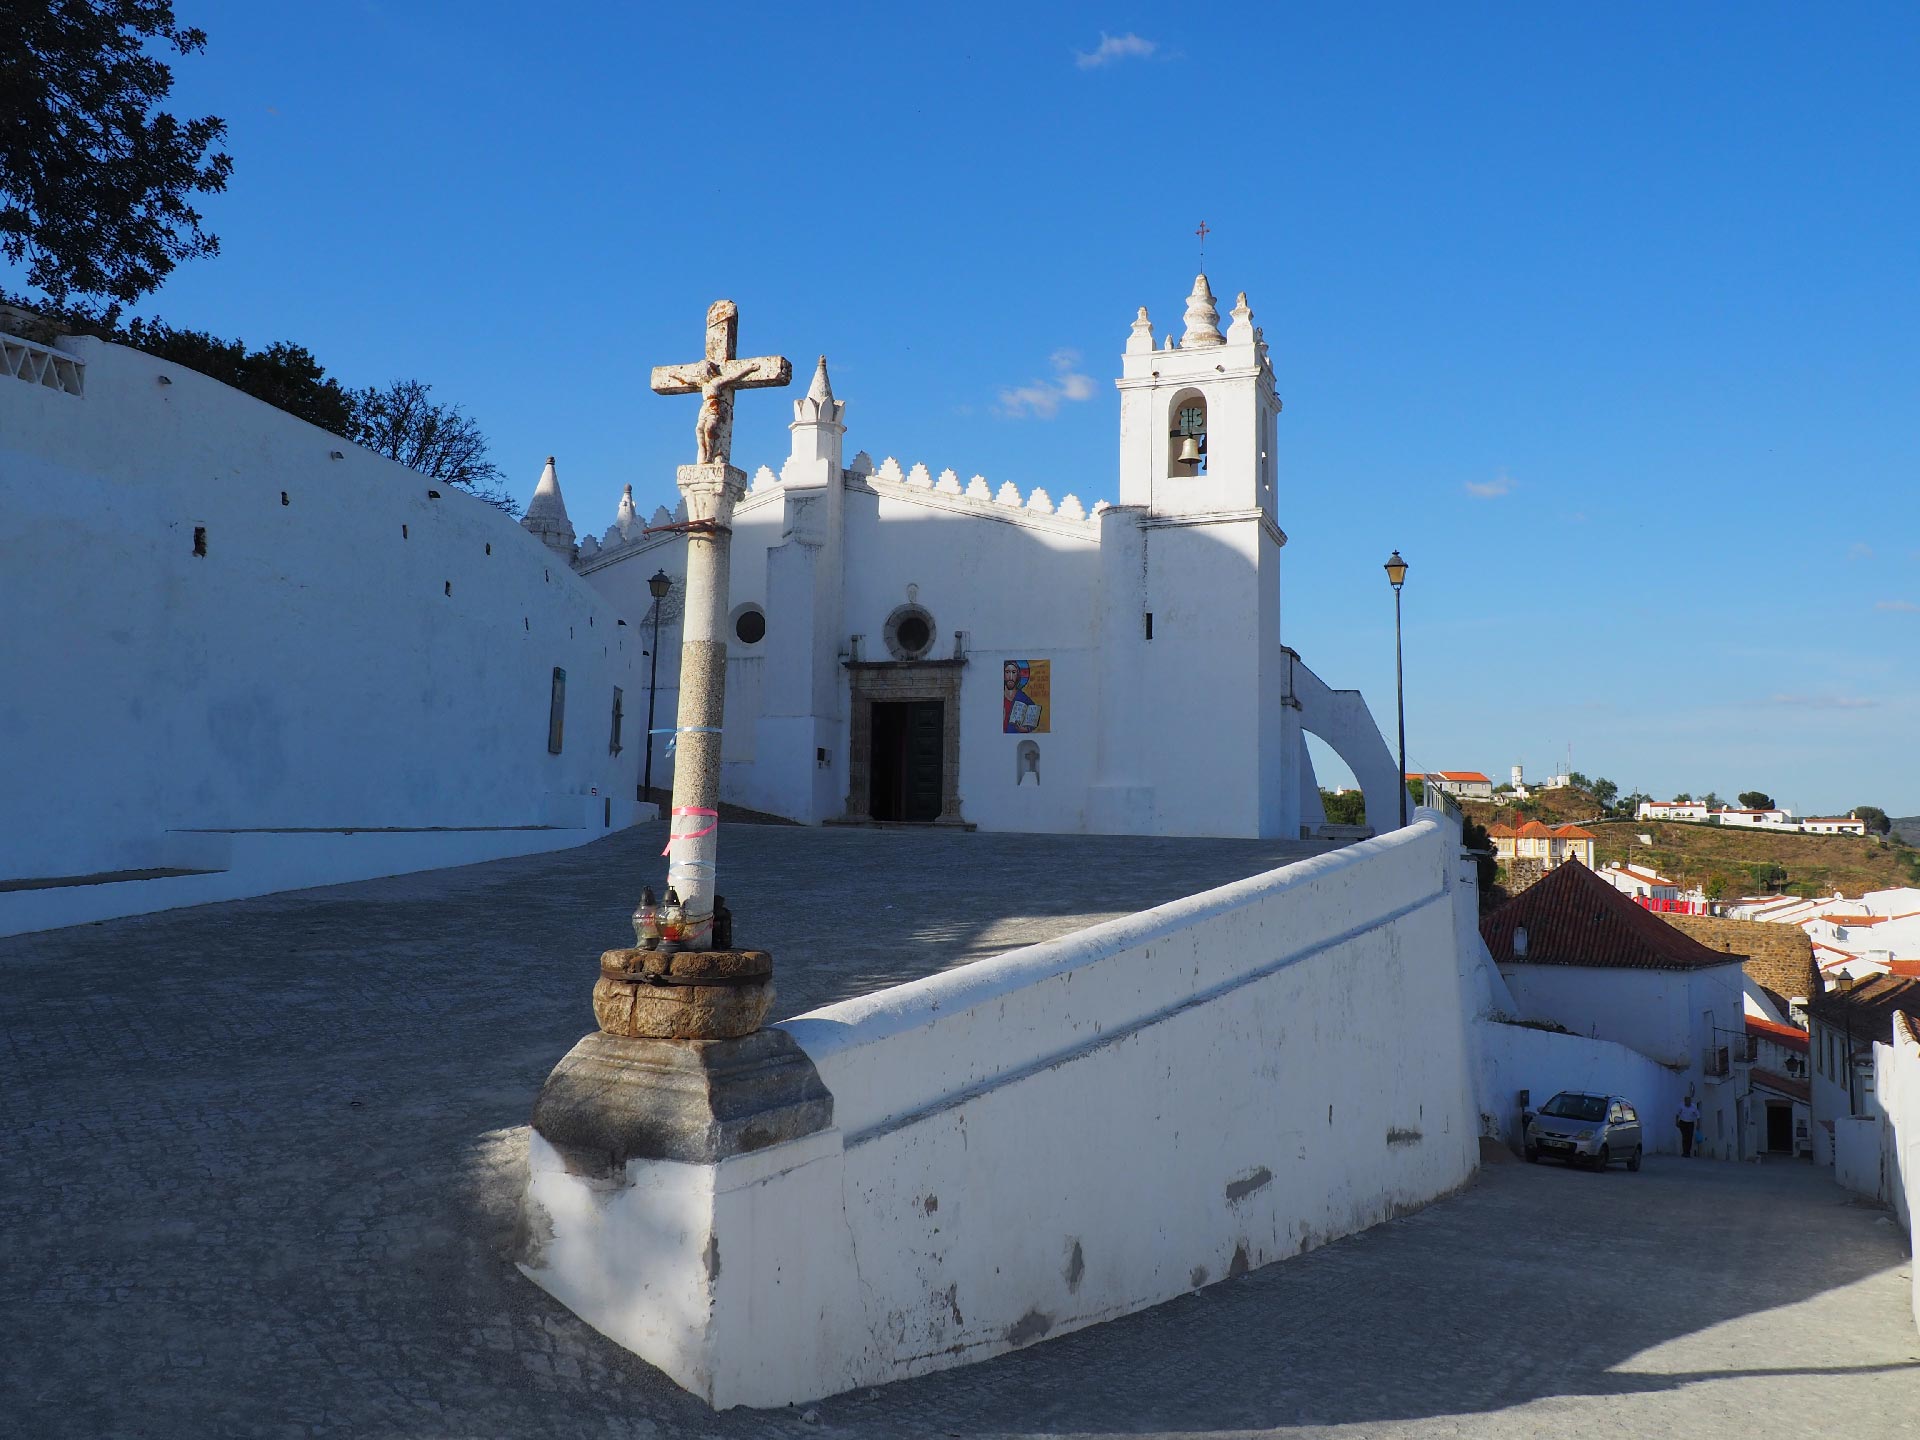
(1006, 502)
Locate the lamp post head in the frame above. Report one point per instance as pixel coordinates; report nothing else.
(660, 583)
(1396, 571)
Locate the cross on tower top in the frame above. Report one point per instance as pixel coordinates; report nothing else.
(715, 378)
(1204, 231)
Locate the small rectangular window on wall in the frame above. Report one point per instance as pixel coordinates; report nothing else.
(613, 744)
(557, 712)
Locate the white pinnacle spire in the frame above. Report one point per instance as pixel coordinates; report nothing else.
(817, 406)
(1140, 339)
(626, 519)
(1240, 332)
(546, 514)
(1203, 320)
(822, 388)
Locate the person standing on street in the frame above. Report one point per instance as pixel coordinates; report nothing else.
(1687, 1119)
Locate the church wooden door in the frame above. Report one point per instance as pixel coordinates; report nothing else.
(909, 750)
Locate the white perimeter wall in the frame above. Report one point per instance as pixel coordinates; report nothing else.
(1897, 1084)
(1066, 1133)
(311, 670)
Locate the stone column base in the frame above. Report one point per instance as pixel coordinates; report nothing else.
(611, 1100)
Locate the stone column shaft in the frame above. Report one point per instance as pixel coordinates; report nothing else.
(711, 491)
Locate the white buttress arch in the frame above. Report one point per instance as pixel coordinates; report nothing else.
(1342, 719)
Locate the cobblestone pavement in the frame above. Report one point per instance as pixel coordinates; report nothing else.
(259, 1161)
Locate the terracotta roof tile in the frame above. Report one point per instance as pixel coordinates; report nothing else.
(1573, 832)
(1867, 1009)
(1790, 1036)
(1573, 917)
(1800, 1090)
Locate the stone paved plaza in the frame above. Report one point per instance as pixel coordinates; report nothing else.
(261, 1163)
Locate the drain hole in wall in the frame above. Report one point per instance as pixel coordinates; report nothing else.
(199, 539)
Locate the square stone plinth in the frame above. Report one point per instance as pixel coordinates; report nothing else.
(611, 1100)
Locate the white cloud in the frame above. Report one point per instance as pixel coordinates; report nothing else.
(1490, 489)
(1860, 550)
(1040, 399)
(1903, 607)
(1824, 702)
(1112, 48)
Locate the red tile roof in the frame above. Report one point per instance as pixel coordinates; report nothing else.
(1855, 919)
(1534, 830)
(1473, 777)
(1500, 830)
(1790, 1036)
(1799, 1090)
(1573, 917)
(1573, 832)
(1866, 1010)
(1903, 967)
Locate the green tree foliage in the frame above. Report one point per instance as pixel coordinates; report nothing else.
(1878, 821)
(1712, 801)
(1717, 885)
(1579, 781)
(1349, 808)
(1768, 874)
(1630, 804)
(286, 376)
(1473, 836)
(1755, 800)
(1417, 788)
(403, 423)
(1683, 798)
(94, 180)
(1605, 791)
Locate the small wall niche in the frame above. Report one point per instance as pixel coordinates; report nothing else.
(200, 540)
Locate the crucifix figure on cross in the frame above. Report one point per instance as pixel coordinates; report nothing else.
(716, 377)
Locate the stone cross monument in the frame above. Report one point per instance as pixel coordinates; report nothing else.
(712, 487)
(680, 1069)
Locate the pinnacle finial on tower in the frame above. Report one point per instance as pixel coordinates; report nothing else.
(1141, 337)
(627, 518)
(817, 406)
(546, 514)
(822, 388)
(1203, 319)
(1241, 331)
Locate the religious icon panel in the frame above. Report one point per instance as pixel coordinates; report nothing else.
(1026, 701)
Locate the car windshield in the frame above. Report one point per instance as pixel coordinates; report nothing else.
(1576, 1107)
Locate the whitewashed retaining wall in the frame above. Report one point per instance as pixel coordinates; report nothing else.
(1517, 1057)
(348, 653)
(1057, 1136)
(1897, 1084)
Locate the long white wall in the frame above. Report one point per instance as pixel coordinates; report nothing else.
(1066, 1133)
(1890, 1170)
(348, 653)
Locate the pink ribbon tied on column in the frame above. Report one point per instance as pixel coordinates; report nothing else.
(691, 834)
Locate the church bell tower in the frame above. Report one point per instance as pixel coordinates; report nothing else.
(1190, 565)
(1198, 418)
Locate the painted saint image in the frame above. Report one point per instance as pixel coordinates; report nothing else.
(1026, 706)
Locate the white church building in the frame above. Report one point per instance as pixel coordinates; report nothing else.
(907, 647)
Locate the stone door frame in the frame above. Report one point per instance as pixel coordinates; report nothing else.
(888, 680)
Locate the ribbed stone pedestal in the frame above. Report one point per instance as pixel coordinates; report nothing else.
(611, 1100)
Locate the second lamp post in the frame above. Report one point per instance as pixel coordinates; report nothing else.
(1396, 577)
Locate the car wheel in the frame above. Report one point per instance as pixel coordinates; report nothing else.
(1633, 1160)
(1603, 1159)
(1533, 1155)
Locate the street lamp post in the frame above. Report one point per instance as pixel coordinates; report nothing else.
(1396, 577)
(660, 583)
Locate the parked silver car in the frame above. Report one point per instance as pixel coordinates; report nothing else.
(1579, 1127)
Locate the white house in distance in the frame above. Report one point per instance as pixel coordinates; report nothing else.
(1461, 784)
(1672, 810)
(908, 646)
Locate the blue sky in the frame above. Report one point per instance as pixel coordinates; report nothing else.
(1607, 317)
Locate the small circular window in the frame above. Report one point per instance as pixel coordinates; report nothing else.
(750, 626)
(910, 633)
